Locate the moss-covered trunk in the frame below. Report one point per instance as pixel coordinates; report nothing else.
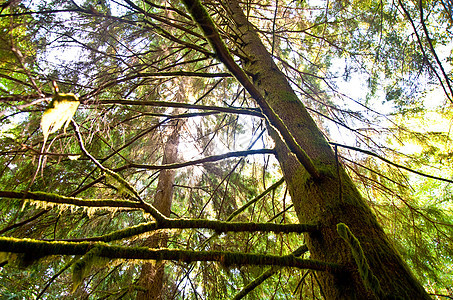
(328, 201)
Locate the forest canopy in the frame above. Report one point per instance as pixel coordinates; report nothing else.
(225, 149)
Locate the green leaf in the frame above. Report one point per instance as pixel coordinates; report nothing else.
(60, 112)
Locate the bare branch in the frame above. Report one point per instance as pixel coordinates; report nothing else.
(198, 161)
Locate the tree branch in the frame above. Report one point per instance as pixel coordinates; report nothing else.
(391, 163)
(243, 111)
(34, 249)
(197, 161)
(155, 75)
(162, 222)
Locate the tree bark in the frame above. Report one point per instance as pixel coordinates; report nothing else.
(331, 200)
(152, 273)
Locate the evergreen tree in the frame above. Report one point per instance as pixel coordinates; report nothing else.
(139, 132)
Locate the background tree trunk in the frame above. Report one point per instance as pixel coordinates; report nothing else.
(152, 273)
(328, 201)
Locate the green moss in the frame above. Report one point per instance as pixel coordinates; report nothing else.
(83, 266)
(123, 187)
(369, 279)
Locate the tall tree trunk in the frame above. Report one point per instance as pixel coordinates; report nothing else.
(152, 273)
(332, 199)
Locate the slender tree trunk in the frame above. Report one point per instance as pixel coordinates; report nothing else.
(152, 273)
(328, 201)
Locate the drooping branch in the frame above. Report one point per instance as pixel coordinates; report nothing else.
(21, 59)
(422, 49)
(19, 224)
(433, 51)
(149, 208)
(202, 18)
(34, 249)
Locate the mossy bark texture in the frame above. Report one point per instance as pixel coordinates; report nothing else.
(327, 201)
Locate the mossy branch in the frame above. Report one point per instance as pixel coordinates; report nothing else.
(204, 21)
(221, 226)
(162, 222)
(369, 279)
(217, 226)
(43, 248)
(59, 199)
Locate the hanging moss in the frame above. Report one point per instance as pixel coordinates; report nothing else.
(82, 267)
(59, 113)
